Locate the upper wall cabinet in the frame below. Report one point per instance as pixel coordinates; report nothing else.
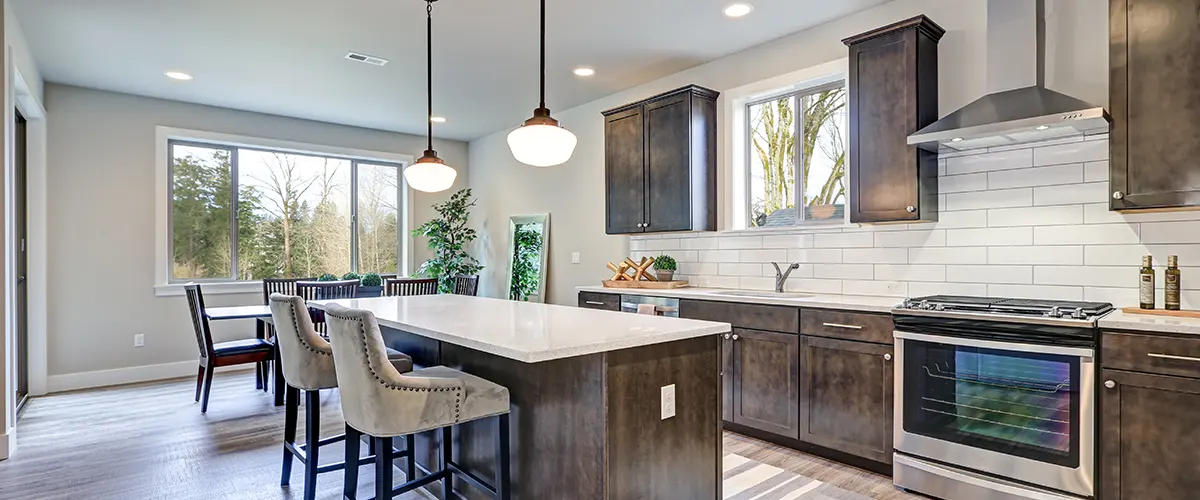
(893, 93)
(660, 163)
(1154, 96)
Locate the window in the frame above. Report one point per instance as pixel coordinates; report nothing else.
(796, 156)
(241, 214)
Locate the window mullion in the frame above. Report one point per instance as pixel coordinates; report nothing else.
(354, 216)
(233, 213)
(799, 179)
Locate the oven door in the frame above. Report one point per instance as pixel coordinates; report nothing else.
(1019, 411)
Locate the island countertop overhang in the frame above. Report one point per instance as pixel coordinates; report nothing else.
(525, 331)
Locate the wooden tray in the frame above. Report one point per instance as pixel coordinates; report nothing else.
(1157, 312)
(655, 285)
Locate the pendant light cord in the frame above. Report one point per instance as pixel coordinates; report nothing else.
(543, 102)
(429, 66)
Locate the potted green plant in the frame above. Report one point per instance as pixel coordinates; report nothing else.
(327, 277)
(664, 267)
(371, 285)
(448, 236)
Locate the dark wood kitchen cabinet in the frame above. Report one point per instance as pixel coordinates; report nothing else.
(661, 163)
(766, 386)
(1154, 98)
(893, 92)
(846, 396)
(1149, 436)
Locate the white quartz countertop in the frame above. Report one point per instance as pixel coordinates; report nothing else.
(863, 303)
(1118, 320)
(525, 331)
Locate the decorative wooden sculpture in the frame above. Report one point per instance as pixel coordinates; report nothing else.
(641, 277)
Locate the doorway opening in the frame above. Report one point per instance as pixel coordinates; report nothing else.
(22, 267)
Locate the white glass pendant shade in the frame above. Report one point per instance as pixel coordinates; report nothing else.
(541, 142)
(430, 174)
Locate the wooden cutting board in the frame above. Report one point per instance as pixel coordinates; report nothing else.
(1161, 312)
(654, 285)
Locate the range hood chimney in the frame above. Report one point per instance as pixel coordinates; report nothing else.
(1010, 115)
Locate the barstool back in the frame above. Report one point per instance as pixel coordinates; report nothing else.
(306, 358)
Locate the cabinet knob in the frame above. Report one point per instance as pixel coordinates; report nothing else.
(887, 357)
(911, 209)
(1118, 195)
(726, 336)
(735, 337)
(1109, 384)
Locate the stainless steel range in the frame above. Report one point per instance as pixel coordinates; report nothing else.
(995, 397)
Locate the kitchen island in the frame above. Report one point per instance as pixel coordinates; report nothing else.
(586, 390)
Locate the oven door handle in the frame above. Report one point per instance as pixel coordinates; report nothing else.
(1081, 352)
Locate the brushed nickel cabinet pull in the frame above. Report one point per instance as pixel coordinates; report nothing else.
(887, 357)
(839, 325)
(1109, 384)
(1171, 356)
(735, 337)
(594, 303)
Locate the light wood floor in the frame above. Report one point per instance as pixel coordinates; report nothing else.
(149, 441)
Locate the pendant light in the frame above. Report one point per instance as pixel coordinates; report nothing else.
(429, 173)
(541, 142)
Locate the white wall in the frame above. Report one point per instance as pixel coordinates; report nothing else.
(101, 227)
(574, 193)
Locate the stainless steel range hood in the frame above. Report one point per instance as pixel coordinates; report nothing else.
(1021, 115)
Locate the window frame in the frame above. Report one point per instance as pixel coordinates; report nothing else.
(166, 284)
(797, 156)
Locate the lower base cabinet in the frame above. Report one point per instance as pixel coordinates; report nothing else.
(766, 388)
(846, 396)
(1149, 436)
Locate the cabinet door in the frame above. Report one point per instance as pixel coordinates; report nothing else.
(1149, 436)
(624, 154)
(668, 164)
(1154, 95)
(846, 396)
(767, 385)
(727, 372)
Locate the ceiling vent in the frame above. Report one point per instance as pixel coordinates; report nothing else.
(363, 58)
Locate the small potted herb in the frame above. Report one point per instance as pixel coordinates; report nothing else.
(664, 267)
(371, 285)
(327, 277)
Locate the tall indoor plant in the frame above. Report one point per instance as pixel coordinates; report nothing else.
(448, 236)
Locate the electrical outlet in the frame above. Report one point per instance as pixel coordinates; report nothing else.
(668, 401)
(139, 340)
(574, 257)
(895, 287)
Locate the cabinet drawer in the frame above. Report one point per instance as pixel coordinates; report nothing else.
(1152, 354)
(606, 301)
(758, 317)
(864, 327)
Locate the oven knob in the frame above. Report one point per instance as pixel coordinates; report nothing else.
(1078, 314)
(1109, 384)
(1054, 312)
(887, 357)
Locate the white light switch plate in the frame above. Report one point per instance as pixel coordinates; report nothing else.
(139, 340)
(574, 257)
(668, 401)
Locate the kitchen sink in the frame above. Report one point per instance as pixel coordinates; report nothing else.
(764, 295)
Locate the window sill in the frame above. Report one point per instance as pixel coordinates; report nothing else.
(210, 288)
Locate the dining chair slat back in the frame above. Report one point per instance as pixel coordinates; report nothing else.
(195, 300)
(325, 290)
(404, 287)
(286, 286)
(466, 285)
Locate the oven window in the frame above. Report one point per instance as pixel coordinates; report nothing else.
(1016, 403)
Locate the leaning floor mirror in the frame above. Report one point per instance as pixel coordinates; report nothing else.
(529, 237)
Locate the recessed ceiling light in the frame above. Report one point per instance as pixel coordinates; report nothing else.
(584, 71)
(178, 75)
(738, 9)
(956, 139)
(1043, 127)
(437, 119)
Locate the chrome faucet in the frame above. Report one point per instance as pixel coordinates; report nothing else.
(781, 276)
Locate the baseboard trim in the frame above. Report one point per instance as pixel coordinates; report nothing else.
(7, 446)
(131, 375)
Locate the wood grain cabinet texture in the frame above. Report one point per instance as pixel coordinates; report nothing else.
(767, 386)
(661, 163)
(1154, 98)
(846, 396)
(893, 92)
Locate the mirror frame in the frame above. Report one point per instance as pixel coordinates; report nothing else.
(513, 222)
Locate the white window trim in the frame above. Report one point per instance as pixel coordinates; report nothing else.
(162, 254)
(735, 189)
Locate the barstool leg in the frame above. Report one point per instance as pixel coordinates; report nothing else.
(290, 409)
(312, 436)
(502, 459)
(410, 461)
(383, 468)
(353, 440)
(447, 457)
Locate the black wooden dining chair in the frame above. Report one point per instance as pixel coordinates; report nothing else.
(325, 290)
(402, 287)
(466, 285)
(234, 352)
(286, 286)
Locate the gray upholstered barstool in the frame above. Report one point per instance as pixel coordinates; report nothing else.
(379, 401)
(307, 362)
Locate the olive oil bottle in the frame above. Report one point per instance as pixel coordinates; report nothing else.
(1146, 283)
(1171, 280)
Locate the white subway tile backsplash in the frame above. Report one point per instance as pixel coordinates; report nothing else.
(958, 220)
(1046, 255)
(717, 255)
(751, 283)
(911, 239)
(1098, 213)
(990, 274)
(1087, 234)
(1086, 275)
(1094, 192)
(685, 256)
(730, 269)
(762, 256)
(986, 162)
(880, 288)
(844, 240)
(660, 245)
(816, 255)
(963, 183)
(1076, 152)
(804, 271)
(788, 241)
(844, 271)
(699, 268)
(923, 289)
(699, 244)
(710, 281)
(1036, 216)
(1036, 292)
(910, 272)
(974, 255)
(813, 286)
(992, 236)
(875, 255)
(1131, 255)
(1171, 232)
(1095, 171)
(1030, 177)
(740, 242)
(1002, 198)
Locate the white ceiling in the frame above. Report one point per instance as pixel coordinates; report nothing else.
(285, 57)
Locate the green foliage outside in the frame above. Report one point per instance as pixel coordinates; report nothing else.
(327, 277)
(372, 279)
(448, 236)
(351, 276)
(526, 261)
(665, 263)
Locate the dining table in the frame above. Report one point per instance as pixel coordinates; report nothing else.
(261, 313)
